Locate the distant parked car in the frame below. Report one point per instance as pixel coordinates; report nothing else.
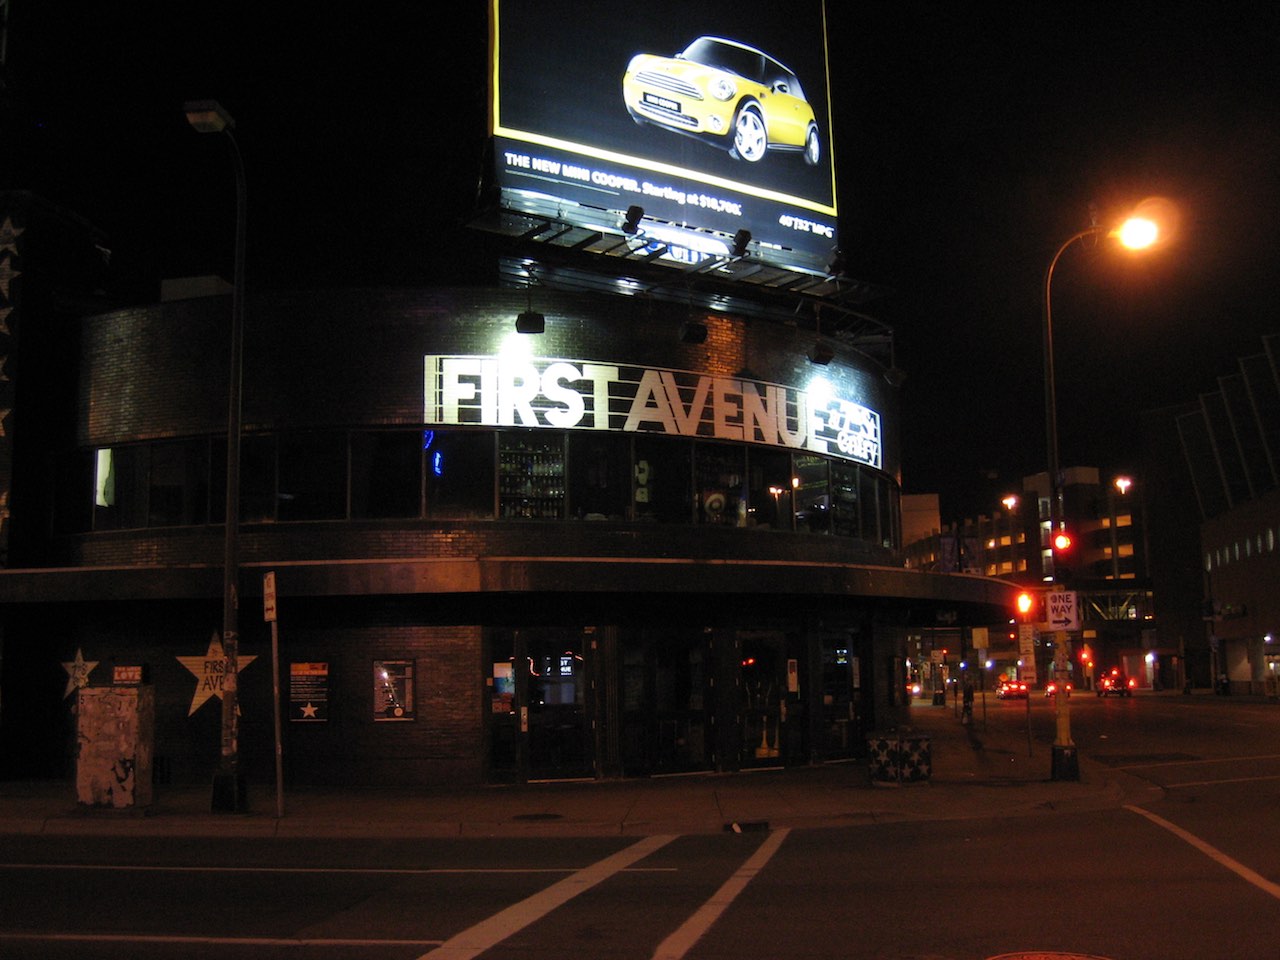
(1051, 688)
(1117, 684)
(724, 93)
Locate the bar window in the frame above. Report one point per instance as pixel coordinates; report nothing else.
(459, 469)
(721, 484)
(662, 480)
(812, 486)
(599, 468)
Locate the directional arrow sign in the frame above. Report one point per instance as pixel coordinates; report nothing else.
(1064, 613)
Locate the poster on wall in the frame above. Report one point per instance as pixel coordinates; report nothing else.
(393, 690)
(308, 692)
(504, 687)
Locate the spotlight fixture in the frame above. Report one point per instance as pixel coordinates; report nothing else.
(530, 321)
(693, 331)
(631, 224)
(821, 353)
(740, 241)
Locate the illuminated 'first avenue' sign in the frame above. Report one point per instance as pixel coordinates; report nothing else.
(586, 395)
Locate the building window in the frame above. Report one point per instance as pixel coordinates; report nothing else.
(844, 500)
(74, 494)
(770, 490)
(663, 480)
(179, 483)
(386, 473)
(312, 476)
(471, 474)
(120, 488)
(459, 475)
(721, 484)
(812, 485)
(257, 479)
(599, 476)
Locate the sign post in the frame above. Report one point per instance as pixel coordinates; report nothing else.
(269, 615)
(1063, 612)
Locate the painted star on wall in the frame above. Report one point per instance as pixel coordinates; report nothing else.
(9, 235)
(7, 276)
(210, 670)
(78, 671)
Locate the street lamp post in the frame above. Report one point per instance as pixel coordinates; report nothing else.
(208, 116)
(1136, 233)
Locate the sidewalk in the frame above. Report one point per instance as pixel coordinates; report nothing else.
(974, 773)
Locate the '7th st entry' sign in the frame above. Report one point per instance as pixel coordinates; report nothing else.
(1063, 610)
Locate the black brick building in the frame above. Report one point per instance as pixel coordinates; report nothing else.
(597, 551)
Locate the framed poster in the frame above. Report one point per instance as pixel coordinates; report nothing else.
(393, 690)
(308, 692)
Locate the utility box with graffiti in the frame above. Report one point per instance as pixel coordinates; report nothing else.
(115, 731)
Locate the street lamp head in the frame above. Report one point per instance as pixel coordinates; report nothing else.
(208, 116)
(1152, 223)
(1138, 233)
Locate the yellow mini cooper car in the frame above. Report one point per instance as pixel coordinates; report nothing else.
(727, 94)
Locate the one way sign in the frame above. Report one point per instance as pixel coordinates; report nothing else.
(1064, 613)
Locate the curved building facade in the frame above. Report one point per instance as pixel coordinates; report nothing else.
(636, 542)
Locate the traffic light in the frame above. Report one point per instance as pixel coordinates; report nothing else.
(1026, 602)
(1063, 555)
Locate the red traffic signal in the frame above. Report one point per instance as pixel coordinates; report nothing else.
(1062, 541)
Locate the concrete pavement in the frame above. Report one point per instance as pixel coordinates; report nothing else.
(975, 772)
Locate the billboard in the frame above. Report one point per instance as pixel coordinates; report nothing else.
(711, 119)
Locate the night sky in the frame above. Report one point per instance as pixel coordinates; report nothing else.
(971, 140)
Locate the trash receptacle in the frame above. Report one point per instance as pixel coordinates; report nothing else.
(894, 759)
(915, 759)
(882, 759)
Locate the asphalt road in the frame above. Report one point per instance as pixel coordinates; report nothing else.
(1192, 870)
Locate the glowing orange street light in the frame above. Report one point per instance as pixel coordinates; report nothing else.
(1138, 233)
(1141, 231)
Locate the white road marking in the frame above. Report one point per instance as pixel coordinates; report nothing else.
(1191, 763)
(393, 871)
(1212, 852)
(1210, 783)
(692, 930)
(209, 941)
(489, 933)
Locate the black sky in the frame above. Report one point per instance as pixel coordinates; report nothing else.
(970, 141)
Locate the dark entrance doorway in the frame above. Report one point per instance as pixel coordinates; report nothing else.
(763, 714)
(540, 705)
(664, 696)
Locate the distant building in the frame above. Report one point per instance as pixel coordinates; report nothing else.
(1106, 567)
(1230, 440)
